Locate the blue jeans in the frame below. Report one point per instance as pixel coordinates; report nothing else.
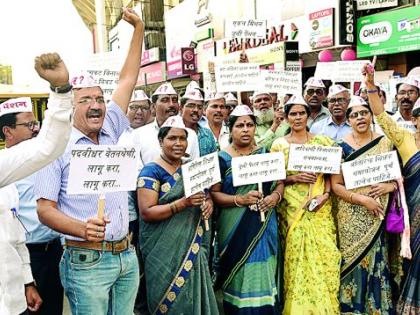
(98, 282)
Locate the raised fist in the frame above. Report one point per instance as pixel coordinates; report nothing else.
(51, 68)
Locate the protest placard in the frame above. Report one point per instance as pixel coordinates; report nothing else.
(237, 77)
(258, 168)
(98, 169)
(314, 158)
(371, 170)
(324, 70)
(249, 28)
(281, 81)
(348, 71)
(200, 174)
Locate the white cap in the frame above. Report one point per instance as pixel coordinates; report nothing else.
(256, 93)
(335, 89)
(357, 101)
(410, 81)
(192, 85)
(193, 94)
(139, 95)
(174, 122)
(165, 89)
(242, 110)
(416, 106)
(83, 79)
(230, 97)
(296, 99)
(210, 96)
(16, 105)
(316, 83)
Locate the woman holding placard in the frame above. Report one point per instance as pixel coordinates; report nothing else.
(248, 268)
(365, 285)
(408, 145)
(173, 244)
(312, 260)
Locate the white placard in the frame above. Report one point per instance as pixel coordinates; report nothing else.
(259, 168)
(281, 81)
(98, 169)
(371, 170)
(374, 4)
(201, 174)
(246, 29)
(314, 158)
(237, 77)
(324, 70)
(348, 71)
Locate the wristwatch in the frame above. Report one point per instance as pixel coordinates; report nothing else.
(30, 284)
(61, 89)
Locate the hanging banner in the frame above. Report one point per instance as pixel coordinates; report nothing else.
(322, 29)
(375, 4)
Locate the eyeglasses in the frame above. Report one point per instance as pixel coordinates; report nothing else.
(193, 106)
(318, 92)
(135, 108)
(87, 100)
(340, 100)
(31, 125)
(295, 114)
(362, 113)
(408, 93)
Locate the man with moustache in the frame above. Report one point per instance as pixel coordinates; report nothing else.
(407, 94)
(314, 95)
(268, 120)
(99, 268)
(192, 104)
(336, 125)
(215, 104)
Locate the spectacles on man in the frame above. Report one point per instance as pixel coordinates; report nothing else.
(31, 125)
(408, 93)
(339, 100)
(135, 108)
(87, 100)
(361, 113)
(318, 92)
(192, 106)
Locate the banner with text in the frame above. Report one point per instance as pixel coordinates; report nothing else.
(237, 77)
(348, 71)
(371, 170)
(245, 29)
(375, 4)
(314, 158)
(201, 174)
(98, 169)
(258, 168)
(281, 81)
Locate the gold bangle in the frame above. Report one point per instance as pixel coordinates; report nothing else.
(235, 201)
(171, 206)
(351, 197)
(276, 192)
(395, 186)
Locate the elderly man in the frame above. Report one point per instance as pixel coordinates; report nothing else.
(215, 106)
(268, 120)
(192, 104)
(314, 95)
(336, 125)
(24, 156)
(99, 269)
(407, 95)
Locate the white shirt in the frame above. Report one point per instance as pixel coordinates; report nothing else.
(18, 162)
(146, 139)
(407, 124)
(224, 134)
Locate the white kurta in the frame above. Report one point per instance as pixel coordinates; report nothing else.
(16, 163)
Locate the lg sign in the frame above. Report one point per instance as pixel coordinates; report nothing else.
(375, 33)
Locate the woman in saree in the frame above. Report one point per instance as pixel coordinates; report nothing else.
(312, 259)
(248, 267)
(173, 243)
(408, 146)
(365, 286)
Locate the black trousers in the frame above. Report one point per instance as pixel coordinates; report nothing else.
(45, 259)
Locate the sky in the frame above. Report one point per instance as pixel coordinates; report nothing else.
(31, 27)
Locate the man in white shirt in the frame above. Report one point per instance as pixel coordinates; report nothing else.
(407, 94)
(17, 289)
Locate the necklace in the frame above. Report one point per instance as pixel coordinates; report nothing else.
(357, 142)
(292, 140)
(242, 154)
(167, 161)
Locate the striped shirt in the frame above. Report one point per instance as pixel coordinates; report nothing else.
(52, 181)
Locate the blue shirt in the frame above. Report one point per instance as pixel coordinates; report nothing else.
(206, 141)
(51, 181)
(36, 232)
(327, 127)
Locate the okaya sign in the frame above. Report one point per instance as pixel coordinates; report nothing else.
(388, 33)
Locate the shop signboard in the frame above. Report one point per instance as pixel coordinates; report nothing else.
(388, 32)
(149, 56)
(347, 22)
(322, 28)
(375, 4)
(153, 73)
(188, 60)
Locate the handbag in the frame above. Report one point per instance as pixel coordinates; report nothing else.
(395, 216)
